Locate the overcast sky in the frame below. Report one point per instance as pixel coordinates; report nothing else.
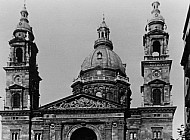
(65, 31)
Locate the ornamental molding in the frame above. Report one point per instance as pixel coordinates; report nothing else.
(82, 103)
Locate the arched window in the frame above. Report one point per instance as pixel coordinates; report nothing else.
(38, 136)
(15, 136)
(156, 47)
(106, 35)
(19, 55)
(156, 97)
(16, 100)
(102, 34)
(99, 55)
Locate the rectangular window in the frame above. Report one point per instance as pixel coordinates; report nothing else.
(37, 135)
(132, 134)
(157, 133)
(15, 134)
(16, 100)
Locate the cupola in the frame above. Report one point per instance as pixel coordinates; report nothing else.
(23, 28)
(103, 36)
(156, 22)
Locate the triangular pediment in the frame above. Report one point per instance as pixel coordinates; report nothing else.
(80, 101)
(15, 86)
(157, 81)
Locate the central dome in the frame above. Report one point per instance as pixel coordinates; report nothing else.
(103, 57)
(102, 72)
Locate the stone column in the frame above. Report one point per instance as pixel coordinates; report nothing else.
(46, 132)
(108, 131)
(114, 131)
(58, 132)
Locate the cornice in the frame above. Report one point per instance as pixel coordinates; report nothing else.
(15, 113)
(164, 109)
(16, 68)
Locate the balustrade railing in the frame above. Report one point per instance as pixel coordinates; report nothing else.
(110, 78)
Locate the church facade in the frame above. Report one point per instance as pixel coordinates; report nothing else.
(99, 107)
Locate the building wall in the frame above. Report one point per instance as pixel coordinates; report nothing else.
(185, 63)
(106, 126)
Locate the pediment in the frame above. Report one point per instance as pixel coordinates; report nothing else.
(157, 81)
(15, 86)
(80, 101)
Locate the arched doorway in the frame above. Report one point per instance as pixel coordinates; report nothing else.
(83, 134)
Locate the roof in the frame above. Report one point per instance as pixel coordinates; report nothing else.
(104, 57)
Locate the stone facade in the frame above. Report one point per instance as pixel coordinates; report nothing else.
(99, 108)
(185, 63)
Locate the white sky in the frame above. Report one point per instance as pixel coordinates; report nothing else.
(65, 31)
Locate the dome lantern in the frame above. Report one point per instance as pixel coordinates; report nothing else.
(103, 36)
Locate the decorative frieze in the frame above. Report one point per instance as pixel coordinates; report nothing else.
(83, 103)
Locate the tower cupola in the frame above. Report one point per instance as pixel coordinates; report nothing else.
(155, 41)
(23, 28)
(156, 22)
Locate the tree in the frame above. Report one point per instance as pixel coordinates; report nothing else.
(181, 132)
(187, 131)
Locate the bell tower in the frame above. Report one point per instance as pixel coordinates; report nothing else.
(22, 78)
(156, 66)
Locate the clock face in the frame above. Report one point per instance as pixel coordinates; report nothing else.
(156, 74)
(17, 79)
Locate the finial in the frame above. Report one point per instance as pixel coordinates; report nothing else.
(24, 4)
(103, 24)
(155, 7)
(155, 4)
(24, 13)
(103, 18)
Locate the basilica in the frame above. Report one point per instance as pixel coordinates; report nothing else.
(99, 106)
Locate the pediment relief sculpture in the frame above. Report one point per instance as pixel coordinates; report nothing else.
(82, 102)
